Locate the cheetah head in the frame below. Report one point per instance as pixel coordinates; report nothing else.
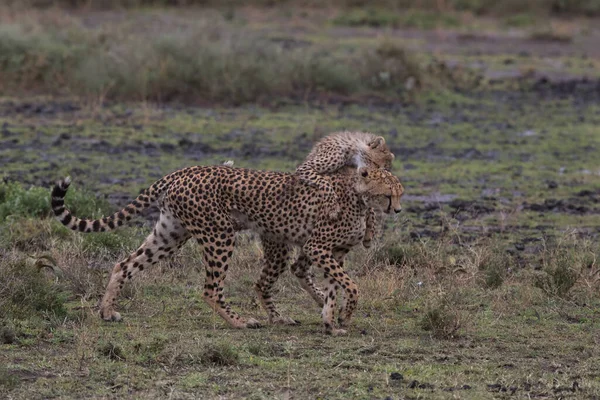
(380, 189)
(380, 154)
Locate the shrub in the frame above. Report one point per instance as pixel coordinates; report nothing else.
(221, 354)
(390, 67)
(557, 280)
(207, 60)
(26, 291)
(112, 351)
(16, 201)
(30, 235)
(562, 263)
(110, 243)
(373, 17)
(496, 266)
(7, 380)
(520, 20)
(441, 320)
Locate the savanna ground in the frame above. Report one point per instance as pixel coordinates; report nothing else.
(486, 286)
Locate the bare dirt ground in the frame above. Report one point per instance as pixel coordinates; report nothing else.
(506, 176)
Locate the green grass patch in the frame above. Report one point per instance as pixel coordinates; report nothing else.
(7, 379)
(502, 7)
(520, 20)
(28, 292)
(379, 17)
(18, 201)
(372, 17)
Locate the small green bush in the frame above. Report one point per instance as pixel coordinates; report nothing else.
(557, 280)
(494, 277)
(496, 267)
(7, 380)
(16, 201)
(381, 17)
(429, 20)
(396, 254)
(441, 320)
(373, 17)
(221, 354)
(111, 243)
(30, 235)
(26, 291)
(266, 349)
(520, 20)
(112, 351)
(562, 264)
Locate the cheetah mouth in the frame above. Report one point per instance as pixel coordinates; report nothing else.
(388, 210)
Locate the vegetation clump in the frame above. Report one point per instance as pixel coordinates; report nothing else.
(209, 60)
(27, 292)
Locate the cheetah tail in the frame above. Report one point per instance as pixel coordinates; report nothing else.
(143, 201)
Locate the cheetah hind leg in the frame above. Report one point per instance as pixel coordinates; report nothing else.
(168, 236)
(301, 269)
(276, 257)
(216, 256)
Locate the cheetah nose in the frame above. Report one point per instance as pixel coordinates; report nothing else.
(397, 210)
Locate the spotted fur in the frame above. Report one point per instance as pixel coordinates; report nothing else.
(210, 203)
(339, 150)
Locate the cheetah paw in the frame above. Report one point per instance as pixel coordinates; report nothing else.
(338, 332)
(110, 316)
(252, 324)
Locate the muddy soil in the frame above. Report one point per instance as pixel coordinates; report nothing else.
(115, 152)
(43, 135)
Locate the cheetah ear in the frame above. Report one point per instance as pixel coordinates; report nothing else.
(377, 142)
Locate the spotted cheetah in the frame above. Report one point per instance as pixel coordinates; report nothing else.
(340, 149)
(210, 203)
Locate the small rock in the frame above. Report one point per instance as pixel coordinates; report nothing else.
(396, 376)
(519, 246)
(7, 336)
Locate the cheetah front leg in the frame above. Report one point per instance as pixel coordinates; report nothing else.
(168, 236)
(343, 316)
(321, 256)
(369, 228)
(276, 258)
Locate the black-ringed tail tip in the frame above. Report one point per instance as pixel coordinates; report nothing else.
(92, 225)
(58, 197)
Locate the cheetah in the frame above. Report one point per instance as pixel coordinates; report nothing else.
(210, 203)
(340, 149)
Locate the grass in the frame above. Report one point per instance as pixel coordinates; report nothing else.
(486, 285)
(208, 59)
(422, 327)
(550, 35)
(380, 17)
(502, 7)
(19, 201)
